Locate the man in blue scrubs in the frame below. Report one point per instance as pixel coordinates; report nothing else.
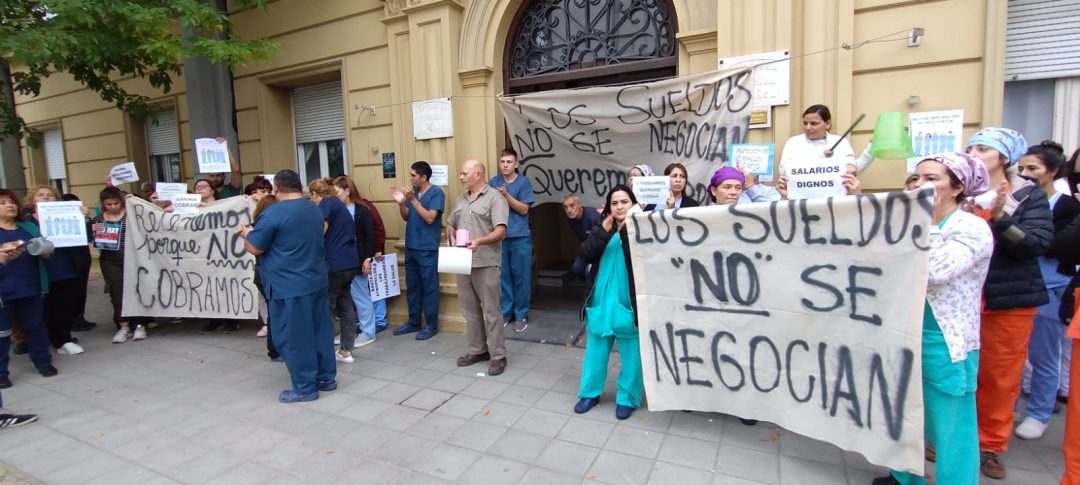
(421, 208)
(516, 276)
(288, 240)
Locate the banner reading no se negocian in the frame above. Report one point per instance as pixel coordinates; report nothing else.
(804, 313)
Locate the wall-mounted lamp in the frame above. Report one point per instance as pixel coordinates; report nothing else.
(913, 100)
(915, 37)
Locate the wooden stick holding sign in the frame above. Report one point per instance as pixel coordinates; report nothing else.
(846, 133)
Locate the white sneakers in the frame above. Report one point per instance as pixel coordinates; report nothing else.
(347, 359)
(363, 341)
(140, 333)
(71, 348)
(262, 332)
(1030, 429)
(121, 336)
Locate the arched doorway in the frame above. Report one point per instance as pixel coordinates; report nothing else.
(560, 44)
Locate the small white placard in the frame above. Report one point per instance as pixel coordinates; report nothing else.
(168, 190)
(383, 279)
(440, 175)
(63, 223)
(756, 159)
(934, 132)
(213, 156)
(432, 118)
(821, 178)
(652, 190)
(124, 173)
(186, 203)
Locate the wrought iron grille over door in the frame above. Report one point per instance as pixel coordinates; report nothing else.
(563, 35)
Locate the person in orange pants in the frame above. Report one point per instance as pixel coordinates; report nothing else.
(1071, 447)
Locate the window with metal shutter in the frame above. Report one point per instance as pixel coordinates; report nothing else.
(317, 113)
(54, 155)
(1042, 39)
(162, 138)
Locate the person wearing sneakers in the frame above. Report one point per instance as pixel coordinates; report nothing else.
(288, 238)
(1022, 224)
(482, 212)
(421, 207)
(1043, 163)
(22, 284)
(64, 280)
(610, 312)
(516, 270)
(109, 231)
(8, 252)
(342, 260)
(364, 227)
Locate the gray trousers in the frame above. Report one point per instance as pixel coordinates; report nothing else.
(478, 295)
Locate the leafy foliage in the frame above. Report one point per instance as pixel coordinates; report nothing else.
(100, 41)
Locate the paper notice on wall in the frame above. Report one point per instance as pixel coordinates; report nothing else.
(63, 223)
(816, 178)
(383, 279)
(186, 203)
(432, 118)
(167, 190)
(189, 265)
(756, 159)
(935, 132)
(652, 190)
(124, 173)
(440, 175)
(793, 313)
(772, 75)
(213, 156)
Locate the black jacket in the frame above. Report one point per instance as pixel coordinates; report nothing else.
(592, 249)
(1067, 251)
(1065, 210)
(365, 232)
(1014, 280)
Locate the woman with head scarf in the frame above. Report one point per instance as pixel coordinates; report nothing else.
(960, 248)
(1021, 223)
(726, 186)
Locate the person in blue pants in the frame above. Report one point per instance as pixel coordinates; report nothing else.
(516, 272)
(421, 207)
(288, 237)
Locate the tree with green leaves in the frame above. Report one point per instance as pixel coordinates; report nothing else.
(100, 41)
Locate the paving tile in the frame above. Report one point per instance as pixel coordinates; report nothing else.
(1023, 458)
(543, 476)
(447, 461)
(245, 474)
(556, 401)
(462, 406)
(436, 427)
(477, 436)
(377, 472)
(365, 409)
(451, 383)
(614, 467)
(404, 451)
(500, 413)
(702, 426)
(567, 457)
(585, 431)
(541, 422)
(421, 377)
(799, 446)
(394, 393)
(364, 386)
(493, 470)
(540, 378)
(519, 446)
(634, 441)
(721, 479)
(689, 452)
(658, 421)
(798, 470)
(520, 395)
(759, 437)
(427, 399)
(665, 473)
(485, 388)
(417, 478)
(399, 418)
(179, 452)
(204, 468)
(747, 463)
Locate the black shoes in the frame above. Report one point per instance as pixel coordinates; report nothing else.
(48, 371)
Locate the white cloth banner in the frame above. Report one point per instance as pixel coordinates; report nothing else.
(804, 313)
(189, 265)
(583, 141)
(383, 280)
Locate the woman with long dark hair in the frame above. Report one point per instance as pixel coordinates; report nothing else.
(109, 230)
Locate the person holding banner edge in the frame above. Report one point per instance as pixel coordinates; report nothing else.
(960, 248)
(610, 312)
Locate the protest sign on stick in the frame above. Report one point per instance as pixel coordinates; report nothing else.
(63, 223)
(804, 313)
(383, 280)
(124, 173)
(212, 155)
(189, 265)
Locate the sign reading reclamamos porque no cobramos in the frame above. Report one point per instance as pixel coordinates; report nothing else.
(583, 141)
(804, 313)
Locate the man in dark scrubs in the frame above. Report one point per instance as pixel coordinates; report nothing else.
(288, 239)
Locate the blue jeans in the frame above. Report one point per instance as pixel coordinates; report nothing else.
(380, 314)
(31, 311)
(1044, 353)
(579, 267)
(516, 277)
(361, 297)
(422, 286)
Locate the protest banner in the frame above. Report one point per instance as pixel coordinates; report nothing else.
(124, 173)
(804, 313)
(935, 132)
(816, 178)
(62, 223)
(166, 190)
(583, 141)
(186, 203)
(383, 279)
(652, 190)
(189, 265)
(756, 159)
(213, 156)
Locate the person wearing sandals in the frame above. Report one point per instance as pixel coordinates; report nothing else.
(960, 249)
(610, 312)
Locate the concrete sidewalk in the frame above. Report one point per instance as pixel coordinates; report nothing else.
(181, 407)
